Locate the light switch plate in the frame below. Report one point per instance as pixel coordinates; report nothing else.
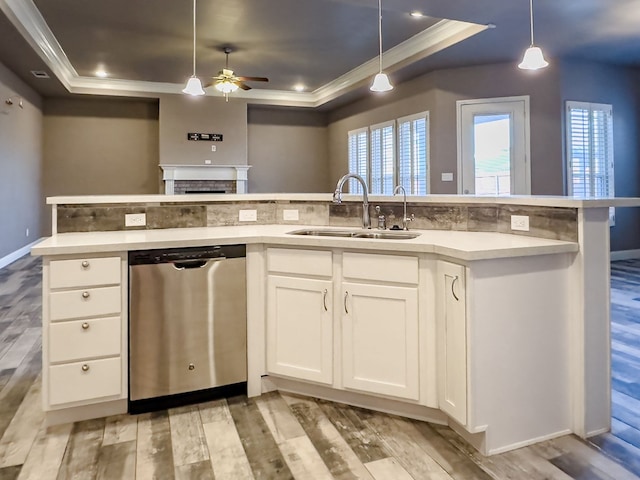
(248, 216)
(520, 222)
(447, 176)
(290, 215)
(135, 219)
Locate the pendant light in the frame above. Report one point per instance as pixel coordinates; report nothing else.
(533, 58)
(380, 81)
(194, 87)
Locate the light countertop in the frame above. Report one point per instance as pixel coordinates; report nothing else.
(455, 244)
(529, 200)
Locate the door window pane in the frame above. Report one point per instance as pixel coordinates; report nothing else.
(492, 154)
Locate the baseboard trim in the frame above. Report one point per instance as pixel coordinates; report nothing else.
(625, 254)
(13, 256)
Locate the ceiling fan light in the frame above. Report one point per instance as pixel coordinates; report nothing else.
(194, 87)
(381, 83)
(533, 59)
(226, 87)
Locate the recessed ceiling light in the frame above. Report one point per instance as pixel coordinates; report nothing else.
(299, 87)
(101, 73)
(39, 74)
(416, 14)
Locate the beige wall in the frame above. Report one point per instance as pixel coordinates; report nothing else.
(287, 151)
(100, 146)
(181, 114)
(438, 92)
(20, 164)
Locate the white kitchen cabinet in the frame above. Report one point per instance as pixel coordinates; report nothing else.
(452, 340)
(380, 339)
(84, 333)
(300, 314)
(300, 328)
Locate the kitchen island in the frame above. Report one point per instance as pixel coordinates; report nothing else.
(484, 330)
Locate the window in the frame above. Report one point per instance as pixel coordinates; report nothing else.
(382, 159)
(358, 157)
(391, 153)
(590, 150)
(412, 153)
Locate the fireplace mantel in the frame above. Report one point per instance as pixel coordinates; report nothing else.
(236, 173)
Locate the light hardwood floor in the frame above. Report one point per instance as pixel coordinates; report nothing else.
(276, 436)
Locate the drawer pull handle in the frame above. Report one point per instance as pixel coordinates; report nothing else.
(85, 264)
(85, 294)
(85, 368)
(85, 326)
(346, 296)
(191, 366)
(324, 300)
(453, 292)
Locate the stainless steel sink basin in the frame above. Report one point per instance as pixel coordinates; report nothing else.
(375, 234)
(324, 233)
(387, 235)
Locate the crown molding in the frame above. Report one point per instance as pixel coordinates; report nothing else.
(26, 17)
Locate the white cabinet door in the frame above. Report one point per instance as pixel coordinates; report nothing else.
(380, 339)
(452, 341)
(300, 328)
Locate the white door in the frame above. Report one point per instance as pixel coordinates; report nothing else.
(300, 328)
(452, 341)
(493, 146)
(380, 339)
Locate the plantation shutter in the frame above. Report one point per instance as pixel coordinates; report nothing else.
(358, 156)
(412, 153)
(590, 151)
(382, 159)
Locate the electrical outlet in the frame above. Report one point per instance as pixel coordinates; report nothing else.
(207, 162)
(213, 148)
(135, 219)
(520, 222)
(248, 215)
(447, 177)
(290, 215)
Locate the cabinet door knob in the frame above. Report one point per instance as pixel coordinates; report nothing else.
(324, 300)
(85, 326)
(85, 264)
(453, 292)
(85, 368)
(346, 296)
(85, 294)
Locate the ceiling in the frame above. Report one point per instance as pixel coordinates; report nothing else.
(330, 46)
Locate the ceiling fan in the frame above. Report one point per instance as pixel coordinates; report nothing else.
(228, 82)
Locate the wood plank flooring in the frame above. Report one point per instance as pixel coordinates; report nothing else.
(279, 436)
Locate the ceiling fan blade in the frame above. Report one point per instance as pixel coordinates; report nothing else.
(242, 85)
(253, 79)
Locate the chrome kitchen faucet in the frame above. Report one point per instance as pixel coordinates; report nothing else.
(337, 196)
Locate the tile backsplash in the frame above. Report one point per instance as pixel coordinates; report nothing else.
(545, 222)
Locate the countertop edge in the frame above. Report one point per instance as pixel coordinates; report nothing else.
(111, 242)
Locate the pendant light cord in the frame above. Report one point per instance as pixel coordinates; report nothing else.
(380, 31)
(194, 38)
(530, 16)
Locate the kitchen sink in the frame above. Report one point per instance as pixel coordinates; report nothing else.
(387, 235)
(375, 234)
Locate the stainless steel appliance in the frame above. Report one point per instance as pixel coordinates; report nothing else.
(187, 316)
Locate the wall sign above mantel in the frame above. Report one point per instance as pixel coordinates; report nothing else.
(207, 137)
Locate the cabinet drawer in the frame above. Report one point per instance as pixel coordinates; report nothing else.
(300, 262)
(81, 381)
(96, 337)
(383, 268)
(84, 272)
(89, 302)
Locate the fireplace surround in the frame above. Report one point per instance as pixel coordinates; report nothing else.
(179, 179)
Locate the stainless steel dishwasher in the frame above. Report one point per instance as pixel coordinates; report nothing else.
(188, 333)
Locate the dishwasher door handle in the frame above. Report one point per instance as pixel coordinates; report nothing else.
(187, 264)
